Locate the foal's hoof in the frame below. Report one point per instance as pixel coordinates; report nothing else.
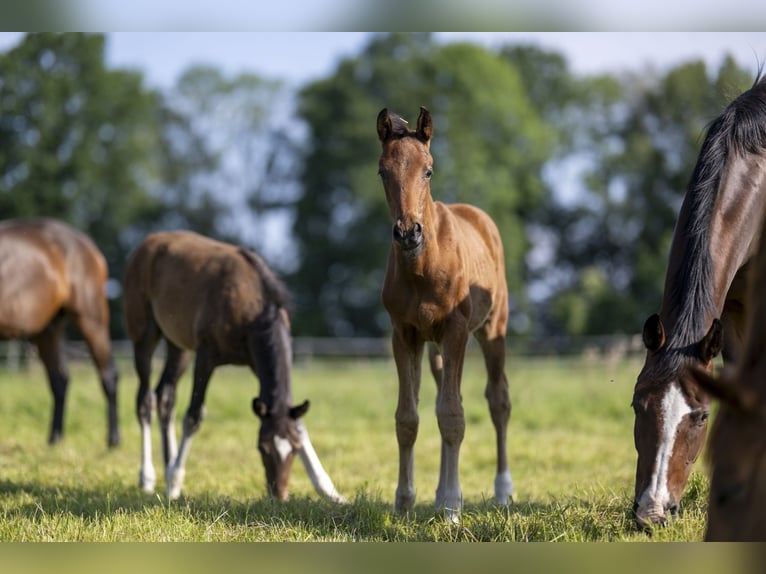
(174, 480)
(114, 440)
(146, 482)
(54, 438)
(503, 488)
(404, 502)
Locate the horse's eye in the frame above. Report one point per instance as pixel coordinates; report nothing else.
(700, 417)
(429, 173)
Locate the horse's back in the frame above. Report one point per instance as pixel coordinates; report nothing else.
(45, 265)
(191, 285)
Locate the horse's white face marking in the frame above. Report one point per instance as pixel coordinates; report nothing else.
(283, 447)
(673, 409)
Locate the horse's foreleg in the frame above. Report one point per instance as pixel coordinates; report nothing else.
(175, 365)
(408, 354)
(176, 471)
(49, 349)
(451, 419)
(95, 331)
(499, 401)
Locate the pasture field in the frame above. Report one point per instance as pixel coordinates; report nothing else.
(570, 447)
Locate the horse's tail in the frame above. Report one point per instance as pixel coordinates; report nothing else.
(275, 292)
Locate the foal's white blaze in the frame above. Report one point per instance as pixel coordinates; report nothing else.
(316, 472)
(656, 497)
(283, 447)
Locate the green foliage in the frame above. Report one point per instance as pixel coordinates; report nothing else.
(570, 450)
(489, 147)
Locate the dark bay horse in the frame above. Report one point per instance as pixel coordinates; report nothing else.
(224, 303)
(445, 280)
(51, 272)
(737, 445)
(715, 236)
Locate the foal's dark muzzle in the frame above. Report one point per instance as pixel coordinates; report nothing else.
(408, 239)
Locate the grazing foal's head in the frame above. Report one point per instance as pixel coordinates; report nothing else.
(671, 414)
(278, 439)
(405, 168)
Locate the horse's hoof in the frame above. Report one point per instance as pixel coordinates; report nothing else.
(147, 481)
(174, 480)
(114, 440)
(54, 438)
(503, 488)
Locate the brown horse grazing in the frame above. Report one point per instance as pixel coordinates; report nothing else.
(737, 450)
(714, 240)
(224, 303)
(445, 279)
(50, 272)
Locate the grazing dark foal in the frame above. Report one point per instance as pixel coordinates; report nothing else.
(445, 280)
(715, 237)
(51, 272)
(224, 303)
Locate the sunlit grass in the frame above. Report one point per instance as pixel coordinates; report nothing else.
(570, 446)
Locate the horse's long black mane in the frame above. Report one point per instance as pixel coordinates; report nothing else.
(272, 338)
(739, 129)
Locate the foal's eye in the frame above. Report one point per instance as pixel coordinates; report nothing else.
(429, 173)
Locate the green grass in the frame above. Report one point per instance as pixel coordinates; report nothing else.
(570, 446)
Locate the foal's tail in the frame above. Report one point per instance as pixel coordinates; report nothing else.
(275, 292)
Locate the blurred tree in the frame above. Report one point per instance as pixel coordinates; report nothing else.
(612, 241)
(489, 147)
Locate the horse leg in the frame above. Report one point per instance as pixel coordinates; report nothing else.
(96, 335)
(436, 362)
(143, 349)
(48, 345)
(175, 472)
(165, 393)
(499, 401)
(451, 419)
(408, 355)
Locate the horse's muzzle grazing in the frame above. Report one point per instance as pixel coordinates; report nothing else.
(649, 517)
(408, 239)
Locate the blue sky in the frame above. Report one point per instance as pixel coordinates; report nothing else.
(298, 57)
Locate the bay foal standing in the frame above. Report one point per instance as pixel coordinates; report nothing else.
(445, 279)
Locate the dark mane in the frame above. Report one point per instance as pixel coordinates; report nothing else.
(272, 339)
(739, 129)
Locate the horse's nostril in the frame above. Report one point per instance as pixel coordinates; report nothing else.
(417, 229)
(398, 235)
(673, 509)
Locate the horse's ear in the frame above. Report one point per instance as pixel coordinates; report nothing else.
(726, 390)
(710, 345)
(653, 333)
(385, 126)
(425, 125)
(259, 408)
(300, 410)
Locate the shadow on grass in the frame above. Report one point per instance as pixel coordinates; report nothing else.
(365, 518)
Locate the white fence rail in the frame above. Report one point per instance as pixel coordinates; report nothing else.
(14, 354)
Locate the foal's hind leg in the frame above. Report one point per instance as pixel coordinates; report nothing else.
(95, 331)
(436, 362)
(203, 369)
(499, 401)
(143, 349)
(175, 365)
(49, 349)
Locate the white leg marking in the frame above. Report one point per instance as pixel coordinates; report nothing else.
(176, 470)
(147, 478)
(316, 472)
(653, 500)
(503, 487)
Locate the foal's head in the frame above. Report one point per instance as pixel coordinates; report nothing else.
(737, 501)
(405, 168)
(671, 414)
(278, 440)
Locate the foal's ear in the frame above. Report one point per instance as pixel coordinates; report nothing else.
(300, 410)
(385, 126)
(259, 408)
(726, 390)
(653, 333)
(710, 345)
(425, 125)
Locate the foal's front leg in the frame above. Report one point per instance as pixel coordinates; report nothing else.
(408, 354)
(451, 419)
